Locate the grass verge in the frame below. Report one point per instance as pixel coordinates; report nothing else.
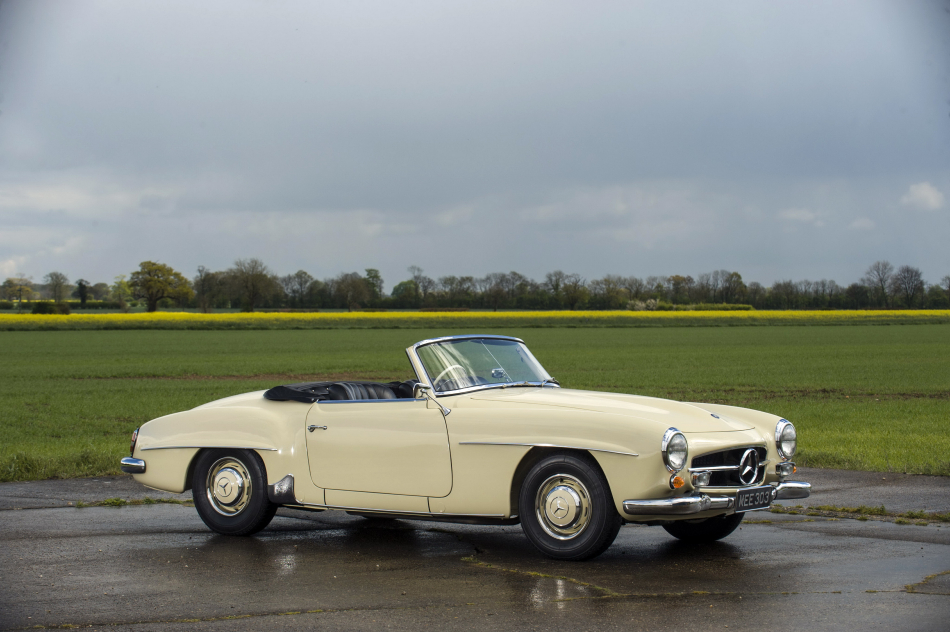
(862, 397)
(864, 512)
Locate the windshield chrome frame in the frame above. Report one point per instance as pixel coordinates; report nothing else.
(423, 376)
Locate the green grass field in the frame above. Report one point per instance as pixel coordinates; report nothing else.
(862, 397)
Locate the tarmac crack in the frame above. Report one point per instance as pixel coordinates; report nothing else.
(608, 593)
(914, 588)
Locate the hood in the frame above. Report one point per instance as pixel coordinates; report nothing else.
(685, 417)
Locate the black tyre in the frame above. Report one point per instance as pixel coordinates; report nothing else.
(566, 508)
(708, 530)
(230, 492)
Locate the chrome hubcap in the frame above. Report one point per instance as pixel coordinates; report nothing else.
(563, 507)
(229, 486)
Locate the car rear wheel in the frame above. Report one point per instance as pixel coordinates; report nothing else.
(566, 508)
(708, 530)
(230, 492)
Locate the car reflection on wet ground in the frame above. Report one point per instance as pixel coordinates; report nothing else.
(157, 567)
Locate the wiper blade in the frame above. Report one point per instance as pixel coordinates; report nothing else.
(540, 384)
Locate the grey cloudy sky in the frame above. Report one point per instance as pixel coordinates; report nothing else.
(779, 139)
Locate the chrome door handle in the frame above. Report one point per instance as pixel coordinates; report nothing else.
(312, 428)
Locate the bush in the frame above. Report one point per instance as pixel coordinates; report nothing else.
(6, 304)
(94, 305)
(45, 307)
(721, 307)
(442, 309)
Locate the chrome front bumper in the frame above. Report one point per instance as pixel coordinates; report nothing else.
(678, 506)
(132, 466)
(698, 502)
(792, 489)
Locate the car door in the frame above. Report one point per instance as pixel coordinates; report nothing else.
(396, 446)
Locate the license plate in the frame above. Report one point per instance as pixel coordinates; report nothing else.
(755, 498)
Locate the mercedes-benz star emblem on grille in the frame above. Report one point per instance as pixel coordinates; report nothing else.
(749, 467)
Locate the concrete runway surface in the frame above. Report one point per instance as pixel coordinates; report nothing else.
(157, 567)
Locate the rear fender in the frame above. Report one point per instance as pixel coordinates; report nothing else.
(169, 444)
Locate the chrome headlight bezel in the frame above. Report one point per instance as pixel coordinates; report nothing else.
(783, 426)
(672, 460)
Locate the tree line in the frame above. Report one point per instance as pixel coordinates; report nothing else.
(250, 284)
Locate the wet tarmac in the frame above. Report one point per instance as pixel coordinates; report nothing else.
(157, 567)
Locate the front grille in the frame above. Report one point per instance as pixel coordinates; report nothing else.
(728, 459)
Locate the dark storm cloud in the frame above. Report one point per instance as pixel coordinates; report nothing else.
(778, 139)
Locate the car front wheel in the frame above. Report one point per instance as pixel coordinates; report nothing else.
(230, 492)
(566, 508)
(708, 530)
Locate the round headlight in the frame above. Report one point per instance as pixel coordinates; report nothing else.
(786, 439)
(674, 448)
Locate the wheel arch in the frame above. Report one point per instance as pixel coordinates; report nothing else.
(534, 456)
(190, 475)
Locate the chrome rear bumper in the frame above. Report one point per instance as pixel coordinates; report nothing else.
(132, 466)
(698, 502)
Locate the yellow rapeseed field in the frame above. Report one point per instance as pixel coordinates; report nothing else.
(415, 320)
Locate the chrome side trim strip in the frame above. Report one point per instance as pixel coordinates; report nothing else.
(198, 447)
(683, 505)
(547, 445)
(132, 466)
(792, 489)
(407, 513)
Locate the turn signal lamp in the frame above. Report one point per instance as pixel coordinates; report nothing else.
(135, 437)
(676, 482)
(785, 469)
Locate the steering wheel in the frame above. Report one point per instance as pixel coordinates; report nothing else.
(446, 370)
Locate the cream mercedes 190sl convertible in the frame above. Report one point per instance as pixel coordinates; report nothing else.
(483, 436)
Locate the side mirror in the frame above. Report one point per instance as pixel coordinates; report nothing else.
(421, 391)
(424, 391)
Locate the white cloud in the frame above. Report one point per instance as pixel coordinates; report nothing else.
(648, 214)
(802, 215)
(862, 223)
(12, 266)
(455, 216)
(798, 215)
(923, 196)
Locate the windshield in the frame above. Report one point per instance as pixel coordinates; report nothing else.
(457, 364)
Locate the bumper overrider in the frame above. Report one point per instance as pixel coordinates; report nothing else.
(699, 502)
(132, 466)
